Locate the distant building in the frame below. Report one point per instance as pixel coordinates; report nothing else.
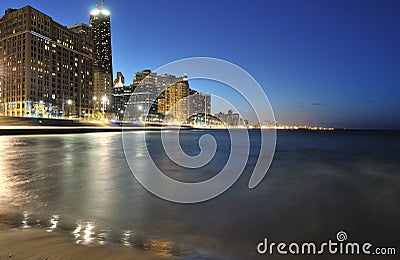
(142, 101)
(120, 96)
(120, 79)
(206, 120)
(231, 119)
(165, 80)
(145, 93)
(103, 71)
(140, 76)
(172, 102)
(199, 103)
(155, 98)
(46, 68)
(235, 121)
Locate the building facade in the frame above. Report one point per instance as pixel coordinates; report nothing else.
(46, 69)
(172, 102)
(199, 103)
(102, 53)
(144, 96)
(121, 96)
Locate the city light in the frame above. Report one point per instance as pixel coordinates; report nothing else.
(104, 101)
(100, 11)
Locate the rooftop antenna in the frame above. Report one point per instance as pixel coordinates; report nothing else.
(97, 4)
(102, 5)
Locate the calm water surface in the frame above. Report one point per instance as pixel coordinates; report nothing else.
(319, 183)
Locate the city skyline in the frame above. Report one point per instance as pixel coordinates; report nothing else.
(329, 64)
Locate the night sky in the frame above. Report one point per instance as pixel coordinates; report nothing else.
(328, 63)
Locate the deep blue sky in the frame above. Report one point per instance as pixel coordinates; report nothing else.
(331, 63)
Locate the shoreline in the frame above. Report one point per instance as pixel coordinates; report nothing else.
(40, 244)
(55, 130)
(49, 130)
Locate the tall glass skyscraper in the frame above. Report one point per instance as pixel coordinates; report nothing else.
(103, 72)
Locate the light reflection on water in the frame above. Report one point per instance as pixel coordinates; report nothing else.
(81, 185)
(53, 223)
(88, 233)
(25, 220)
(126, 236)
(84, 233)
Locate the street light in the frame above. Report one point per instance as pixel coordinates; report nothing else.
(103, 102)
(95, 104)
(69, 103)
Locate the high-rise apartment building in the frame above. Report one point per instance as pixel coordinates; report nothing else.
(141, 75)
(144, 96)
(46, 69)
(172, 101)
(118, 97)
(121, 96)
(165, 80)
(199, 103)
(103, 71)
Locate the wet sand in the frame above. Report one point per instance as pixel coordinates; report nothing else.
(39, 244)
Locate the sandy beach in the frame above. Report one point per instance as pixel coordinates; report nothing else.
(39, 244)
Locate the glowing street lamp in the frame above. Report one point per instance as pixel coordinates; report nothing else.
(104, 100)
(69, 103)
(95, 104)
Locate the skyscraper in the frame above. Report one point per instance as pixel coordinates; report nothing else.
(103, 71)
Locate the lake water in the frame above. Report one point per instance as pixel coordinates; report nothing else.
(319, 183)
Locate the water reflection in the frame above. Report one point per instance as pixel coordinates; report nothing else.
(103, 237)
(68, 175)
(53, 222)
(25, 220)
(91, 233)
(126, 236)
(88, 233)
(161, 247)
(5, 190)
(86, 182)
(84, 234)
(77, 233)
